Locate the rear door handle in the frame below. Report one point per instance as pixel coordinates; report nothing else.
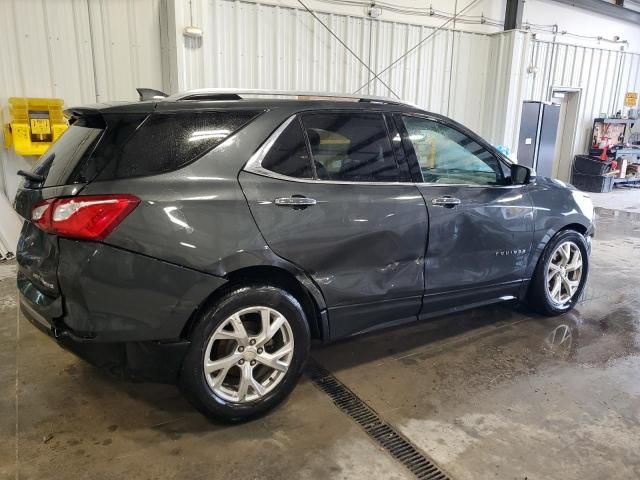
(447, 202)
(295, 202)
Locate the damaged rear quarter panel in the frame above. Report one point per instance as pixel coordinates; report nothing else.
(116, 295)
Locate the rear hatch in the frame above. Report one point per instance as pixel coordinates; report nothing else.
(104, 143)
(63, 171)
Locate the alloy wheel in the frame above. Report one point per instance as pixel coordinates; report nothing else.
(249, 354)
(564, 272)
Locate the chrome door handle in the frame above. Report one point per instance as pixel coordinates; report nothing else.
(447, 202)
(294, 201)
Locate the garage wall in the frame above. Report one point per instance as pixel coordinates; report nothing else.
(82, 51)
(487, 16)
(505, 88)
(483, 16)
(582, 26)
(604, 76)
(252, 45)
(258, 45)
(100, 50)
(238, 50)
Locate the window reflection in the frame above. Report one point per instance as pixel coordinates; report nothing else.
(207, 134)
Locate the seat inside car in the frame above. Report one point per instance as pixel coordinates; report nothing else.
(314, 141)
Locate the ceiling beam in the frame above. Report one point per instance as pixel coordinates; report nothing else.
(605, 8)
(513, 14)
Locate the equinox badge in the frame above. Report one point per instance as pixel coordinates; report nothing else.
(519, 251)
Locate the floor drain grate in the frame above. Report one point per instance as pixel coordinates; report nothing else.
(384, 434)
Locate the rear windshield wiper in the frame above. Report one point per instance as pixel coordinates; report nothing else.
(34, 177)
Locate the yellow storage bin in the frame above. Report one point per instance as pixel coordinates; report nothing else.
(34, 124)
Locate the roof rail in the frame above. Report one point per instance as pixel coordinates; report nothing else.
(237, 93)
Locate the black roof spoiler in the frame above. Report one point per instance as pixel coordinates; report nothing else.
(150, 94)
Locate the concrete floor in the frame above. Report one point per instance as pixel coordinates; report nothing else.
(488, 394)
(627, 199)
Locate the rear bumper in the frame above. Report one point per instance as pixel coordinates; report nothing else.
(112, 295)
(116, 309)
(146, 360)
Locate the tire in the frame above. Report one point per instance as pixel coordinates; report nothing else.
(539, 296)
(217, 337)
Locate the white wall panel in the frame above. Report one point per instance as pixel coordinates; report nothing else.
(100, 50)
(253, 45)
(62, 48)
(504, 88)
(126, 42)
(491, 10)
(47, 56)
(582, 26)
(603, 76)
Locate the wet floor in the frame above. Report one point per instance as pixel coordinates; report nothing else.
(497, 392)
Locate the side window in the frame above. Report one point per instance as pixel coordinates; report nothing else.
(168, 141)
(351, 147)
(448, 156)
(289, 155)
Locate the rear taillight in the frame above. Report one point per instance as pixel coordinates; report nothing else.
(87, 217)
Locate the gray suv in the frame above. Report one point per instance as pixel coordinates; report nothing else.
(208, 237)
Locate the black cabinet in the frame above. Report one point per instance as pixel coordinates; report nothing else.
(538, 134)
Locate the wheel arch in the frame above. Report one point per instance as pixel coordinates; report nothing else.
(546, 238)
(298, 285)
(578, 227)
(534, 292)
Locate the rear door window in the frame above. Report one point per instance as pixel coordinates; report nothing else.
(289, 155)
(352, 147)
(168, 141)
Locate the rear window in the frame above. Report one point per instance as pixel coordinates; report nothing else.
(351, 147)
(289, 155)
(75, 145)
(169, 141)
(120, 127)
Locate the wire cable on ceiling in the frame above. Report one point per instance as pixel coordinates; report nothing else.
(376, 76)
(469, 19)
(424, 12)
(417, 45)
(553, 30)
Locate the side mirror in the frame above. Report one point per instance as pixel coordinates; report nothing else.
(521, 175)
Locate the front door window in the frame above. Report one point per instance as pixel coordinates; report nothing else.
(448, 156)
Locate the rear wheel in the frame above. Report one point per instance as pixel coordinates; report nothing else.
(560, 275)
(247, 353)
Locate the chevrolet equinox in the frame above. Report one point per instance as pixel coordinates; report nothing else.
(207, 238)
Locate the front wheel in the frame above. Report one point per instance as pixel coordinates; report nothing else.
(247, 353)
(561, 274)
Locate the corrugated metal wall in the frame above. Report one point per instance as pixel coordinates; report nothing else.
(602, 75)
(502, 102)
(127, 49)
(79, 50)
(252, 45)
(100, 50)
(82, 51)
